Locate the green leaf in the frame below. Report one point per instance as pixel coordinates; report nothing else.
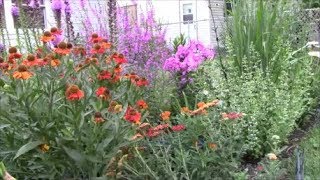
(74, 154)
(27, 147)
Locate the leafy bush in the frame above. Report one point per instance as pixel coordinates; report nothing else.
(272, 107)
(206, 146)
(60, 119)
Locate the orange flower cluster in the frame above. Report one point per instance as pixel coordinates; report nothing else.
(100, 45)
(201, 108)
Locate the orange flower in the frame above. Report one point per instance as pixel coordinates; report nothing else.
(115, 78)
(117, 69)
(97, 49)
(165, 115)
(95, 38)
(105, 44)
(62, 49)
(141, 104)
(185, 110)
(79, 50)
(13, 53)
(98, 118)
(55, 62)
(212, 146)
(103, 93)
(31, 61)
(3, 65)
(22, 73)
(44, 147)
(201, 105)
(140, 81)
(104, 74)
(114, 107)
(74, 93)
(132, 115)
(47, 37)
(55, 31)
(119, 58)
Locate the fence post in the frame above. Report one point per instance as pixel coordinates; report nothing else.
(299, 164)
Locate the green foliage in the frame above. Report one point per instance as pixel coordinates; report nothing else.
(209, 148)
(35, 113)
(272, 105)
(179, 40)
(259, 25)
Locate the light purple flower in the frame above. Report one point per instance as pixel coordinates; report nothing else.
(2, 47)
(33, 4)
(56, 5)
(15, 10)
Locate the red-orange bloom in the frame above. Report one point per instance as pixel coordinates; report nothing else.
(98, 118)
(22, 73)
(47, 37)
(13, 53)
(104, 74)
(97, 49)
(103, 93)
(105, 44)
(117, 69)
(3, 65)
(142, 82)
(95, 38)
(165, 115)
(132, 115)
(31, 61)
(79, 50)
(74, 93)
(119, 58)
(55, 62)
(62, 49)
(55, 31)
(141, 104)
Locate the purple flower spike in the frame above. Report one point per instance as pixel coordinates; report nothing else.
(56, 5)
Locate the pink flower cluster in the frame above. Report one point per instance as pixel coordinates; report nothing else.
(188, 57)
